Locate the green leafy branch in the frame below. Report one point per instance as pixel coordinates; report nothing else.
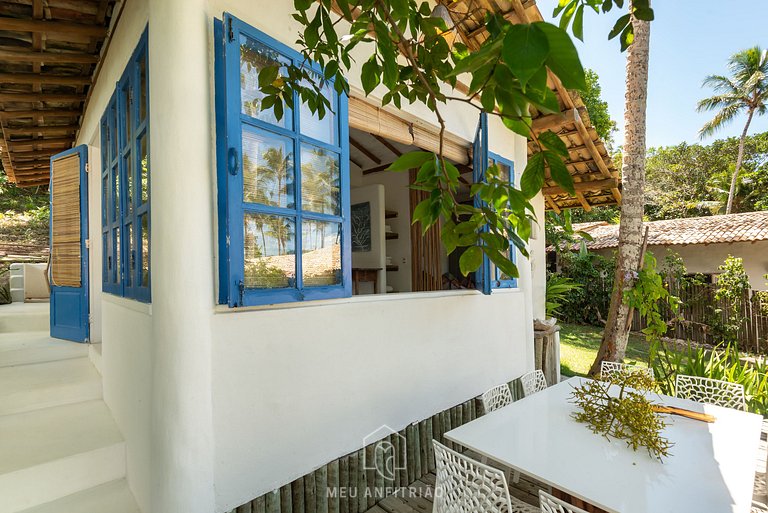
(573, 11)
(627, 415)
(411, 59)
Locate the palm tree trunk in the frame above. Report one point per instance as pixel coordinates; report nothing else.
(614, 342)
(739, 158)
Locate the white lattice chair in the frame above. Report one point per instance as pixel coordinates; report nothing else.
(497, 397)
(711, 391)
(610, 369)
(550, 504)
(464, 485)
(533, 382)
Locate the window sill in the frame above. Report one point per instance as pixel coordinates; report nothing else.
(127, 303)
(366, 298)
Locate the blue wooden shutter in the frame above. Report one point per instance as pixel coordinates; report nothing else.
(479, 166)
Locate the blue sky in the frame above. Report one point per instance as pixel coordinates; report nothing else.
(690, 39)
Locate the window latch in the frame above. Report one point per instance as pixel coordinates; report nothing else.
(233, 162)
(241, 290)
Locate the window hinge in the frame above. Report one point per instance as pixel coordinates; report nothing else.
(87, 243)
(230, 32)
(241, 291)
(87, 167)
(130, 95)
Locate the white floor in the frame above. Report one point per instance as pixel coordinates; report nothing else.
(60, 449)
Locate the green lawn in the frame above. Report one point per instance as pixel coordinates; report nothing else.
(579, 344)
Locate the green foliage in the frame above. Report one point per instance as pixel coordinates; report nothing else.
(574, 10)
(627, 415)
(18, 200)
(722, 363)
(598, 108)
(560, 233)
(559, 288)
(5, 287)
(595, 273)
(411, 59)
(733, 290)
(690, 180)
(648, 296)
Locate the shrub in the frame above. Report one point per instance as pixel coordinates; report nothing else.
(559, 290)
(721, 363)
(589, 304)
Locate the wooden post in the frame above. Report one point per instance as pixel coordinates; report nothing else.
(333, 487)
(362, 482)
(310, 503)
(321, 489)
(297, 493)
(345, 489)
(273, 501)
(286, 503)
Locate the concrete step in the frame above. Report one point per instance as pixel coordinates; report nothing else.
(20, 348)
(47, 455)
(24, 317)
(41, 385)
(113, 497)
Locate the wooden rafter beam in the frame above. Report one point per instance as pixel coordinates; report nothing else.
(15, 145)
(388, 145)
(33, 155)
(41, 97)
(597, 185)
(365, 151)
(8, 55)
(42, 130)
(45, 113)
(552, 121)
(552, 204)
(56, 27)
(595, 154)
(38, 78)
(376, 169)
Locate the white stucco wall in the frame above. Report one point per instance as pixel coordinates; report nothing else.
(219, 406)
(123, 327)
(706, 258)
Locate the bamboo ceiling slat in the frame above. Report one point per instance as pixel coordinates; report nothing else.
(49, 52)
(65, 222)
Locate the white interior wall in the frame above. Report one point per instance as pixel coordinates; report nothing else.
(124, 327)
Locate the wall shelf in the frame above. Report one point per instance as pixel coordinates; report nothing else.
(390, 214)
(392, 268)
(392, 236)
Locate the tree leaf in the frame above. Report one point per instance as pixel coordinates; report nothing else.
(525, 49)
(563, 58)
(533, 176)
(471, 260)
(411, 160)
(552, 141)
(559, 172)
(370, 75)
(619, 26)
(488, 99)
(643, 13)
(504, 264)
(578, 23)
(627, 37)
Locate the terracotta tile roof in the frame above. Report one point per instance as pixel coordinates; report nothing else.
(745, 227)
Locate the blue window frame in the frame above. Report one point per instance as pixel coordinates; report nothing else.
(506, 169)
(125, 182)
(283, 186)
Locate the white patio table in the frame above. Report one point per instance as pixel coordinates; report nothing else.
(711, 467)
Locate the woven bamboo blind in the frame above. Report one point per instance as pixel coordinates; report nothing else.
(426, 249)
(372, 119)
(65, 222)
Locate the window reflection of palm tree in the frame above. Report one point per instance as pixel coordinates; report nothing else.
(321, 185)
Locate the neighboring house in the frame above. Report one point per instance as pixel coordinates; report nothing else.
(207, 247)
(702, 242)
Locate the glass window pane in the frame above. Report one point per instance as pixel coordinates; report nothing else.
(269, 251)
(320, 253)
(268, 170)
(116, 276)
(142, 87)
(126, 105)
(130, 255)
(115, 193)
(105, 259)
(320, 187)
(145, 250)
(254, 57)
(496, 272)
(104, 198)
(129, 182)
(504, 171)
(321, 129)
(144, 160)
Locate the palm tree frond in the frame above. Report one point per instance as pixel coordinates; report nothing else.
(718, 102)
(721, 119)
(721, 84)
